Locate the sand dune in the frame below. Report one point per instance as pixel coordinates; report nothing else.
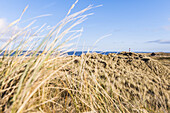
(137, 77)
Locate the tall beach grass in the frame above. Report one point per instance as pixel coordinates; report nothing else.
(51, 82)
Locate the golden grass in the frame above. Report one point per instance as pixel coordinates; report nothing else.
(51, 82)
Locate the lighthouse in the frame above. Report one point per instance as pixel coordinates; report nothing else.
(129, 50)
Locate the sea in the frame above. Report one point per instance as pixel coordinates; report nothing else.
(77, 53)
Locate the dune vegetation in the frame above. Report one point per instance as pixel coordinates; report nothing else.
(53, 82)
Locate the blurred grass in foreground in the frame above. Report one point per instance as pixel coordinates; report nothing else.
(45, 83)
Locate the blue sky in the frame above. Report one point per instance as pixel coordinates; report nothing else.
(142, 25)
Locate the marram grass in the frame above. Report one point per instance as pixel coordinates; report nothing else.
(52, 82)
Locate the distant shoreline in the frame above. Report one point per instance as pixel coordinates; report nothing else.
(78, 53)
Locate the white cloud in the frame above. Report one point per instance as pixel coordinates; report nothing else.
(5, 31)
(3, 24)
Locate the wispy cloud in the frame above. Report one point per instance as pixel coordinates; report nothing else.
(3, 24)
(160, 41)
(5, 31)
